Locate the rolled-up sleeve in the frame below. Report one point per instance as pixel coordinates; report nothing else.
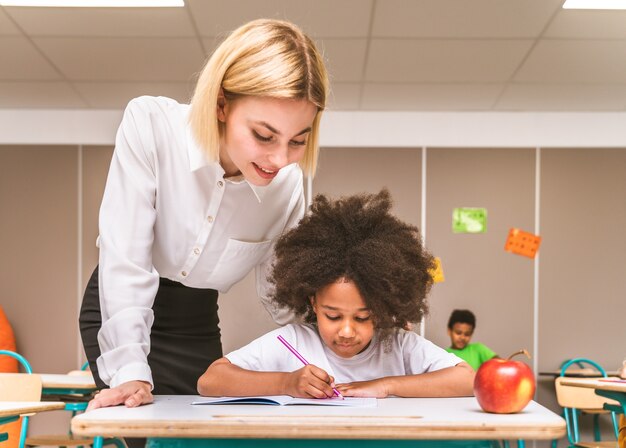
(128, 281)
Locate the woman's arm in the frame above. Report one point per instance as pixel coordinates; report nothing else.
(224, 378)
(457, 381)
(128, 282)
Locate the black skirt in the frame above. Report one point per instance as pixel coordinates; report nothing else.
(184, 339)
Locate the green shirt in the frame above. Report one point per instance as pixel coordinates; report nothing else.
(474, 354)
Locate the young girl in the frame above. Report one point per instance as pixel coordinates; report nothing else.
(195, 197)
(357, 276)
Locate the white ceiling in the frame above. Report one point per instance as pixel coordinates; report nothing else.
(420, 55)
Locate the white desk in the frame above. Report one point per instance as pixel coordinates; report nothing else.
(616, 386)
(586, 372)
(74, 382)
(394, 419)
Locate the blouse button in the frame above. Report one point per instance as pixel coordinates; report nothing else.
(184, 273)
(196, 251)
(220, 183)
(209, 218)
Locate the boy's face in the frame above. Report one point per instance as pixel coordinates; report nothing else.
(344, 322)
(460, 335)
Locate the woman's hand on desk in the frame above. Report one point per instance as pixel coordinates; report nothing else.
(131, 394)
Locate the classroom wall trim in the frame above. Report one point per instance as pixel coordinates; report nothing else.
(359, 129)
(422, 329)
(536, 262)
(79, 245)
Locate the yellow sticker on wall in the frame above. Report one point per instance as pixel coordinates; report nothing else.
(437, 273)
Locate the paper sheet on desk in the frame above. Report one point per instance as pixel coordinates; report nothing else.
(285, 400)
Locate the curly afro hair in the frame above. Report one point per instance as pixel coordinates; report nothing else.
(358, 239)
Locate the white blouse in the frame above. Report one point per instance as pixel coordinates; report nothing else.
(168, 212)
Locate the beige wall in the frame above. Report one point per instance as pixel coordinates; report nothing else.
(95, 166)
(39, 261)
(344, 171)
(479, 275)
(47, 257)
(38, 266)
(582, 286)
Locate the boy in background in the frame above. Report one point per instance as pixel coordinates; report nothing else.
(461, 326)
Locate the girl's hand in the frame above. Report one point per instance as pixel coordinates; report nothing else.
(375, 388)
(309, 382)
(131, 394)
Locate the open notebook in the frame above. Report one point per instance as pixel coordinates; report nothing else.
(286, 400)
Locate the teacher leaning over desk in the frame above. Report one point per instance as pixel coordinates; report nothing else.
(195, 197)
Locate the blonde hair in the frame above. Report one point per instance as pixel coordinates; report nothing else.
(264, 57)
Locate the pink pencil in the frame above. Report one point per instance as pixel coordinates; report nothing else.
(301, 358)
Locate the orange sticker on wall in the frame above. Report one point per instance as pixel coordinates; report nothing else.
(522, 243)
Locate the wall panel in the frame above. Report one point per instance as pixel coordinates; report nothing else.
(583, 261)
(479, 275)
(582, 286)
(345, 171)
(38, 266)
(96, 161)
(38, 270)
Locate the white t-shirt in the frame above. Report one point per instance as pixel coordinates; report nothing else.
(407, 354)
(169, 212)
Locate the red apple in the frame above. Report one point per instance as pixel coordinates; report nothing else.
(504, 386)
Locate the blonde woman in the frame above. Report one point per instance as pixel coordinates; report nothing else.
(195, 196)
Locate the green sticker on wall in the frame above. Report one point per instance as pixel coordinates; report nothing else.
(469, 220)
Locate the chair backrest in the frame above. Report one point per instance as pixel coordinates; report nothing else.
(23, 392)
(20, 387)
(580, 363)
(25, 364)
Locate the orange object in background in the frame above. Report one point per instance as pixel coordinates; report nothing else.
(522, 243)
(8, 365)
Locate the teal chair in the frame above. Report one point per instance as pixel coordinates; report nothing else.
(576, 401)
(55, 440)
(24, 428)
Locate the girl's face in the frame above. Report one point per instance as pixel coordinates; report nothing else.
(344, 322)
(262, 135)
(460, 335)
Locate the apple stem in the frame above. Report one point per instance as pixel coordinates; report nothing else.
(520, 352)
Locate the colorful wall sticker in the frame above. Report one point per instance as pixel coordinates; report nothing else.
(522, 243)
(469, 220)
(437, 272)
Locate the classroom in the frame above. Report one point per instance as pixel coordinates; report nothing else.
(514, 108)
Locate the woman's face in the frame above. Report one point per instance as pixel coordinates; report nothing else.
(343, 320)
(262, 135)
